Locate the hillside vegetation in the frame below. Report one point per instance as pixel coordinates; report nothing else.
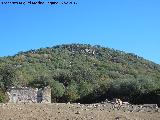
(83, 73)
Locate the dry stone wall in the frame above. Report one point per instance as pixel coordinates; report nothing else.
(29, 95)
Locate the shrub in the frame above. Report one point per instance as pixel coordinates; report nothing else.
(71, 93)
(2, 96)
(57, 91)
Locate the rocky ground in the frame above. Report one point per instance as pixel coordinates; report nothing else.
(62, 111)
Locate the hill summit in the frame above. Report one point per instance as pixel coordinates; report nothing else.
(83, 73)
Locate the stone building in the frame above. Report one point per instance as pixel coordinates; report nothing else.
(29, 95)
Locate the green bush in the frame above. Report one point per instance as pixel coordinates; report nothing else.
(39, 82)
(7, 76)
(71, 93)
(85, 89)
(146, 84)
(57, 90)
(124, 88)
(2, 96)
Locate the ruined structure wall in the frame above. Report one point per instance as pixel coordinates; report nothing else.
(29, 95)
(46, 95)
(22, 95)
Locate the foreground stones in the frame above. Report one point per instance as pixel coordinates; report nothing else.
(117, 104)
(63, 111)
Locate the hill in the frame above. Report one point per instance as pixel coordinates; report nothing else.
(83, 73)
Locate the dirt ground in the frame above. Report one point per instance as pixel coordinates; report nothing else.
(62, 111)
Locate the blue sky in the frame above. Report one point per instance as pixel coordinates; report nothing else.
(129, 25)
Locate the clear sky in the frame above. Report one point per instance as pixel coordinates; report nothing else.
(129, 25)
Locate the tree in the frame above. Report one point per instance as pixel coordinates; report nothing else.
(2, 96)
(7, 76)
(39, 82)
(85, 89)
(124, 88)
(147, 84)
(57, 90)
(71, 93)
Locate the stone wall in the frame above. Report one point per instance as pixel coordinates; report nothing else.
(29, 95)
(46, 95)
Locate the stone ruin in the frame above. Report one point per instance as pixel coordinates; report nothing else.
(29, 95)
